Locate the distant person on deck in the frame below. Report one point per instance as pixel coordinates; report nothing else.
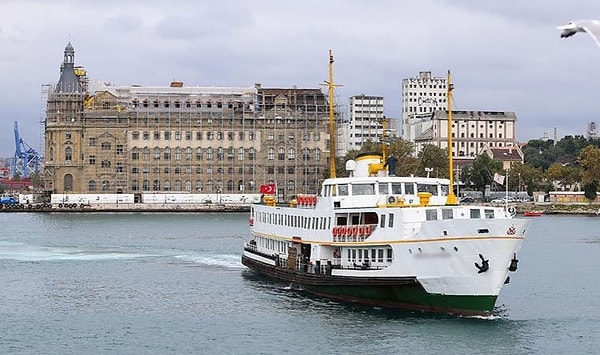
(390, 163)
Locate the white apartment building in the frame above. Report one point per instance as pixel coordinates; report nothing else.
(421, 96)
(365, 120)
(472, 131)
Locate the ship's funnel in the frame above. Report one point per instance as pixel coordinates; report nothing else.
(369, 165)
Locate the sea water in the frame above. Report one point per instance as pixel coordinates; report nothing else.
(141, 283)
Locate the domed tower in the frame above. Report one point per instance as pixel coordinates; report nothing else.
(64, 128)
(69, 81)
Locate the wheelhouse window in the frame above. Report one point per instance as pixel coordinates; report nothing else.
(431, 215)
(489, 214)
(363, 189)
(342, 190)
(475, 213)
(432, 189)
(383, 188)
(409, 189)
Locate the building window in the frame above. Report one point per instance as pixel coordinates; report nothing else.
(92, 185)
(177, 154)
(106, 163)
(271, 154)
(68, 153)
(198, 185)
(146, 185)
(241, 136)
(120, 149)
(317, 154)
(92, 160)
(291, 185)
(241, 152)
(146, 155)
(93, 141)
(167, 154)
(281, 154)
(135, 186)
(178, 135)
(188, 136)
(134, 135)
(167, 135)
(251, 154)
(156, 135)
(270, 169)
(220, 153)
(198, 154)
(156, 154)
(119, 167)
(291, 154)
(188, 153)
(230, 185)
(105, 185)
(156, 185)
(230, 154)
(306, 154)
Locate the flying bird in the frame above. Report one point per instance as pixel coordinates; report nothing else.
(592, 27)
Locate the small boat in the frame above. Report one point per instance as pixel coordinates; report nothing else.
(387, 241)
(529, 213)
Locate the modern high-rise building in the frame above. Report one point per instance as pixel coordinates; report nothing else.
(421, 96)
(134, 139)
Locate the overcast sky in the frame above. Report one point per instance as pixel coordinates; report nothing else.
(504, 55)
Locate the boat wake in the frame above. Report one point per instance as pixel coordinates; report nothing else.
(26, 252)
(229, 261)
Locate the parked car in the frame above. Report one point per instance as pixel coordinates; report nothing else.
(503, 200)
(466, 199)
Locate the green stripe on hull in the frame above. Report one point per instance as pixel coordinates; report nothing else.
(408, 297)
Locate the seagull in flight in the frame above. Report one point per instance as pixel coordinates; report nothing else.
(592, 27)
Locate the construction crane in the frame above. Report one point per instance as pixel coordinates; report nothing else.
(26, 160)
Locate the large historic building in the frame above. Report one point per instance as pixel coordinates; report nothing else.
(133, 139)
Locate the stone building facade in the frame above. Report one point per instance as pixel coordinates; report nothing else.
(134, 139)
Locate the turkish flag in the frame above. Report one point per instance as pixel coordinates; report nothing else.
(268, 189)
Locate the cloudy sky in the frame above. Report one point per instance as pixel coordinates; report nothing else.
(503, 54)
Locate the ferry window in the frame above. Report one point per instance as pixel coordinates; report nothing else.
(447, 213)
(370, 218)
(373, 254)
(380, 255)
(382, 221)
(383, 188)
(348, 254)
(342, 220)
(355, 219)
(353, 254)
(475, 213)
(391, 221)
(343, 190)
(389, 255)
(427, 188)
(489, 214)
(363, 189)
(396, 188)
(409, 189)
(431, 215)
(444, 190)
(360, 254)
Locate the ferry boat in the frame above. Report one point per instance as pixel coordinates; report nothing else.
(387, 241)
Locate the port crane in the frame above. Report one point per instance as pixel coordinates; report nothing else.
(26, 160)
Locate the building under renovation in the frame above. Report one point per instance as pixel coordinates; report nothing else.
(134, 139)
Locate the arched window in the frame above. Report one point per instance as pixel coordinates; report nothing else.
(68, 153)
(156, 185)
(291, 154)
(68, 182)
(209, 186)
(92, 185)
(209, 154)
(198, 153)
(177, 153)
(252, 154)
(291, 185)
(135, 154)
(317, 154)
(167, 185)
(187, 186)
(146, 185)
(188, 153)
(134, 185)
(146, 154)
(105, 185)
(177, 186)
(167, 153)
(281, 154)
(240, 185)
(198, 185)
(156, 154)
(271, 154)
(306, 154)
(241, 154)
(230, 185)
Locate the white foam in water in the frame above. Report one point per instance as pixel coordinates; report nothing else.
(231, 261)
(25, 252)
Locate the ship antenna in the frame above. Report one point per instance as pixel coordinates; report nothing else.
(332, 144)
(451, 199)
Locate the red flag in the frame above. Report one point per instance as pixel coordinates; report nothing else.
(268, 189)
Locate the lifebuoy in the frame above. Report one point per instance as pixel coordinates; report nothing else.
(336, 253)
(314, 200)
(342, 231)
(335, 231)
(354, 231)
(361, 231)
(368, 230)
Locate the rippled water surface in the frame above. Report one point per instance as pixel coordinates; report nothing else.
(173, 283)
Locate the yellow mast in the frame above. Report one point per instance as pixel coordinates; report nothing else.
(332, 146)
(451, 199)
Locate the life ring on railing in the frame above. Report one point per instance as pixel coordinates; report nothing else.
(354, 231)
(337, 253)
(313, 200)
(341, 231)
(368, 230)
(512, 210)
(361, 231)
(335, 231)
